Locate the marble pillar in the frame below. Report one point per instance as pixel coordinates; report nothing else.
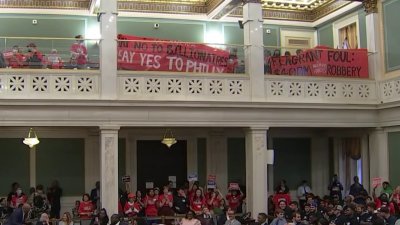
(256, 170)
(109, 168)
(108, 49)
(254, 50)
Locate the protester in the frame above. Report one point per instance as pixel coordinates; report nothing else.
(78, 53)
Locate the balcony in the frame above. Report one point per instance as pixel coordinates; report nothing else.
(68, 82)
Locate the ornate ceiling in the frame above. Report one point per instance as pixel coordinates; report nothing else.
(299, 10)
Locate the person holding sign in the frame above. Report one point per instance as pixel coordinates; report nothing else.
(198, 202)
(234, 198)
(132, 207)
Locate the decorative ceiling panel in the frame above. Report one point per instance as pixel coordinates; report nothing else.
(163, 6)
(288, 13)
(300, 5)
(296, 10)
(46, 4)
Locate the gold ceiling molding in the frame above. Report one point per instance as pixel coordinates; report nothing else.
(370, 6)
(212, 4)
(328, 8)
(46, 4)
(131, 6)
(300, 5)
(295, 14)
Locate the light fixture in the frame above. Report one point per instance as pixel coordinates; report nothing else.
(168, 139)
(32, 139)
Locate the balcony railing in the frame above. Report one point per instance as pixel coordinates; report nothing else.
(49, 84)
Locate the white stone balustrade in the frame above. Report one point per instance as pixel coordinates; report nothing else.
(168, 86)
(179, 86)
(302, 89)
(49, 84)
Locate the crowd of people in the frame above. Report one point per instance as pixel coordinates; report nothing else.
(209, 206)
(34, 58)
(356, 208)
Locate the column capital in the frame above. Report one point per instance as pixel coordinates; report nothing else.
(256, 129)
(370, 6)
(109, 128)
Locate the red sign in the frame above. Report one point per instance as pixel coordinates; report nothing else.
(150, 54)
(376, 181)
(322, 61)
(212, 181)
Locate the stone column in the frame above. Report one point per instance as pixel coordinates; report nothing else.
(319, 166)
(254, 50)
(365, 162)
(32, 166)
(108, 49)
(192, 156)
(378, 154)
(374, 38)
(256, 170)
(92, 155)
(109, 168)
(217, 158)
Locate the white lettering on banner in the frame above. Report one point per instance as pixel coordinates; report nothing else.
(126, 56)
(171, 61)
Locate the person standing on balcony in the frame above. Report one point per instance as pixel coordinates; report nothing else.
(78, 53)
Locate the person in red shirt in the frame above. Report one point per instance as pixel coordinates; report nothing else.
(78, 53)
(86, 207)
(150, 201)
(16, 58)
(234, 198)
(165, 204)
(34, 57)
(19, 198)
(214, 200)
(192, 189)
(197, 202)
(132, 207)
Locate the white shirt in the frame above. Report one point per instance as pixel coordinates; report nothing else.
(302, 190)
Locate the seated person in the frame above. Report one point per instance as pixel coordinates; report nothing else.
(34, 58)
(54, 60)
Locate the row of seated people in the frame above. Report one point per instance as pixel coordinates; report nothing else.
(33, 58)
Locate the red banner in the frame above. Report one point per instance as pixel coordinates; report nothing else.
(321, 61)
(141, 53)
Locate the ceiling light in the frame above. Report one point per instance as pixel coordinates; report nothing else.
(168, 139)
(32, 139)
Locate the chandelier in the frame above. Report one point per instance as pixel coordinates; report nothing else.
(168, 139)
(32, 139)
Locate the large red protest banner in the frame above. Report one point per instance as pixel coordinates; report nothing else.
(150, 54)
(322, 61)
